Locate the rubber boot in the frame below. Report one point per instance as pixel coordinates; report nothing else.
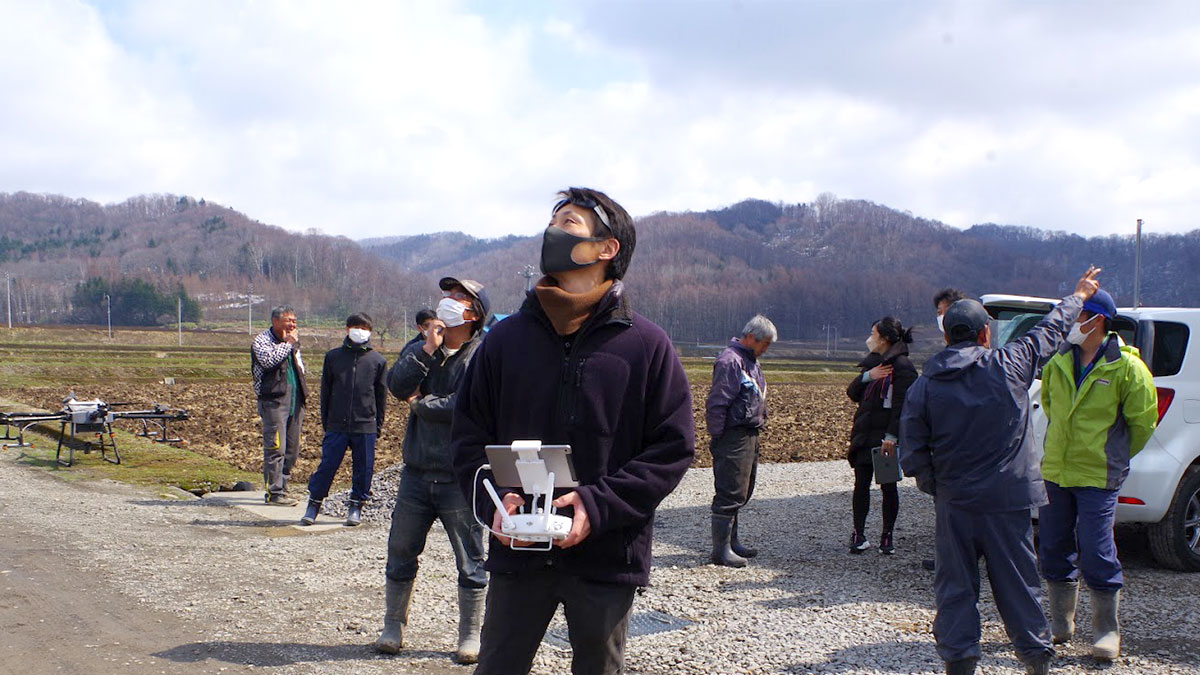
(1106, 631)
(736, 546)
(353, 513)
(311, 513)
(1039, 665)
(470, 618)
(397, 595)
(962, 666)
(1064, 596)
(722, 529)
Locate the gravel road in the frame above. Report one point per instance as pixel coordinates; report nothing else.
(193, 586)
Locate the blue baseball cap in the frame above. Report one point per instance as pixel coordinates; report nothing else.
(1101, 303)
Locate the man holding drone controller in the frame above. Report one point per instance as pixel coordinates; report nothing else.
(576, 366)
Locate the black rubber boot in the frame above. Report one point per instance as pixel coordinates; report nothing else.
(736, 546)
(398, 594)
(353, 513)
(722, 530)
(962, 666)
(311, 513)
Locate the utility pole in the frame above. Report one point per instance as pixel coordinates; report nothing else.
(179, 320)
(250, 312)
(528, 274)
(1137, 267)
(108, 307)
(8, 284)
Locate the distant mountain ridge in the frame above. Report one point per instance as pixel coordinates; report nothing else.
(829, 267)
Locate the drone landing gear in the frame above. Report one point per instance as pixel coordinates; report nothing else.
(100, 430)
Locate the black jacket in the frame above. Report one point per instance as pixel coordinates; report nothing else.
(617, 393)
(879, 401)
(437, 377)
(353, 392)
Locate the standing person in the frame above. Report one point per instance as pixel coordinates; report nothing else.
(428, 490)
(736, 411)
(576, 365)
(966, 439)
(423, 320)
(278, 371)
(353, 401)
(879, 391)
(941, 302)
(1102, 407)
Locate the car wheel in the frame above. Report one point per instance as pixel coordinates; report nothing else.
(1175, 540)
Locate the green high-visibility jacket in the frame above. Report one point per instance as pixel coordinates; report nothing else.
(1095, 429)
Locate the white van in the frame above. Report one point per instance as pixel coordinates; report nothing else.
(1163, 487)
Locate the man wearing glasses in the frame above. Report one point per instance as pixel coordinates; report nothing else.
(429, 376)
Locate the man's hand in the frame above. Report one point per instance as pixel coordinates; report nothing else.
(581, 527)
(880, 371)
(888, 448)
(433, 336)
(1088, 285)
(292, 336)
(512, 502)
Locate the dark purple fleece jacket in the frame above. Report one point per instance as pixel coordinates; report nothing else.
(617, 393)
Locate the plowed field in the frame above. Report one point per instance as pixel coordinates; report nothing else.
(808, 421)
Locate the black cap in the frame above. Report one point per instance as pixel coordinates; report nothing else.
(475, 290)
(964, 319)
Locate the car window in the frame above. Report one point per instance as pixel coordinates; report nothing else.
(1170, 346)
(1009, 325)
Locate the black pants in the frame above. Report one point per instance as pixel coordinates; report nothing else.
(864, 474)
(735, 468)
(521, 605)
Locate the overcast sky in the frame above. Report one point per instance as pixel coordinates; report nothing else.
(385, 118)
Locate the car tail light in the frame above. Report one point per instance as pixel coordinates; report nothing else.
(1130, 500)
(1165, 396)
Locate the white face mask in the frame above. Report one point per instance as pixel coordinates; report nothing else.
(941, 326)
(359, 335)
(872, 344)
(1077, 336)
(450, 312)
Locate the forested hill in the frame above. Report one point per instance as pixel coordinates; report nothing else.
(831, 263)
(49, 244)
(838, 263)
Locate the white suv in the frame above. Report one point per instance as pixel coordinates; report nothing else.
(1163, 487)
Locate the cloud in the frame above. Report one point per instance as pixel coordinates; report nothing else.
(378, 118)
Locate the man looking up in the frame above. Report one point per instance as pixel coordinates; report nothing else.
(576, 365)
(1102, 407)
(429, 377)
(966, 438)
(279, 386)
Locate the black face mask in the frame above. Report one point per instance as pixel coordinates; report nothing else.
(557, 245)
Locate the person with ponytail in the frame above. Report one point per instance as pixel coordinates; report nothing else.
(879, 392)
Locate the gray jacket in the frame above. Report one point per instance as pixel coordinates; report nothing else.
(965, 430)
(427, 437)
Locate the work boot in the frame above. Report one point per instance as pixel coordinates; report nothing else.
(1064, 596)
(1106, 631)
(722, 554)
(353, 513)
(962, 666)
(470, 618)
(397, 595)
(1039, 665)
(311, 513)
(280, 499)
(736, 546)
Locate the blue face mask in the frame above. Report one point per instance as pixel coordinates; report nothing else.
(557, 245)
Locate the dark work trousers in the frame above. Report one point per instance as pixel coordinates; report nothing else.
(418, 503)
(735, 468)
(362, 464)
(521, 605)
(864, 475)
(1005, 540)
(1075, 534)
(281, 441)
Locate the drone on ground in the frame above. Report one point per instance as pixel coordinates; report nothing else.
(92, 417)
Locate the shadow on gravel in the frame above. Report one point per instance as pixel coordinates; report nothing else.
(275, 654)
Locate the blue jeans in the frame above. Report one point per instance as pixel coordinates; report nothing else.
(418, 503)
(362, 464)
(1075, 534)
